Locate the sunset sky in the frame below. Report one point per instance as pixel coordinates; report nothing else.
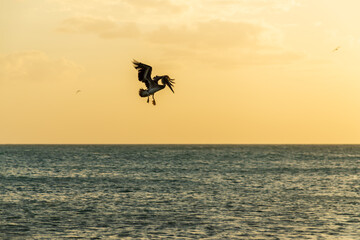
(246, 71)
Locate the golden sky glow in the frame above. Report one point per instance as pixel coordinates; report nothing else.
(259, 71)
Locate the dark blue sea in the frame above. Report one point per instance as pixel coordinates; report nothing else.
(180, 192)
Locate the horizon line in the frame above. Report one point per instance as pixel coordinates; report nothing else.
(1, 144)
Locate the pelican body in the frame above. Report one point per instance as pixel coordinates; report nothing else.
(152, 84)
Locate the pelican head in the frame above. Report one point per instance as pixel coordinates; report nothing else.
(166, 80)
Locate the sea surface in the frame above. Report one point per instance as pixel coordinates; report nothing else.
(180, 192)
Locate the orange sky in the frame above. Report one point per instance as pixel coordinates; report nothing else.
(259, 71)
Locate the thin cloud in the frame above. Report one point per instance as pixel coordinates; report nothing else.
(131, 10)
(102, 27)
(36, 66)
(223, 43)
(256, 6)
(217, 34)
(234, 42)
(161, 6)
(228, 58)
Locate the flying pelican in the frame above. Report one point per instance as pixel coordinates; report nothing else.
(152, 84)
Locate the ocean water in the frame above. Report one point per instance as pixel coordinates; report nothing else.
(179, 192)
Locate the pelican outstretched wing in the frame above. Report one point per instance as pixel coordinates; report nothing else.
(144, 72)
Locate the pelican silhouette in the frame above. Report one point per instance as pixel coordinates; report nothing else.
(152, 84)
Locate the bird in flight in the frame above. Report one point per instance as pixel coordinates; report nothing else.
(152, 84)
(78, 91)
(336, 49)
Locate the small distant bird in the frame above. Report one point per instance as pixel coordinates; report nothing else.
(78, 91)
(336, 49)
(152, 84)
